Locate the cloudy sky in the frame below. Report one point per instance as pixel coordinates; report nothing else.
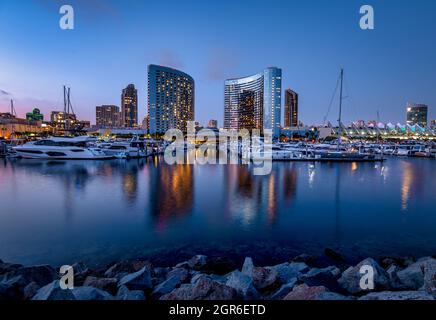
(114, 41)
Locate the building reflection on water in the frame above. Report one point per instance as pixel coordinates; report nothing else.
(171, 192)
(248, 196)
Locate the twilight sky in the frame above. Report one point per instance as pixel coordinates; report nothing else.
(114, 41)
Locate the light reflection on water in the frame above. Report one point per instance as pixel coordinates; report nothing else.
(55, 212)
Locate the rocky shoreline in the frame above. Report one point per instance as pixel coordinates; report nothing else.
(304, 277)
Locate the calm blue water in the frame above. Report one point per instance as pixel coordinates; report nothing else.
(62, 212)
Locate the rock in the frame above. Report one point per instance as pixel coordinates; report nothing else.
(412, 277)
(125, 294)
(174, 279)
(243, 284)
(7, 267)
(287, 271)
(181, 273)
(284, 290)
(203, 289)
(30, 290)
(248, 267)
(394, 280)
(429, 268)
(304, 292)
(350, 279)
(53, 291)
(9, 293)
(91, 293)
(330, 253)
(140, 280)
(197, 262)
(305, 258)
(262, 277)
(120, 269)
(327, 277)
(265, 278)
(325, 296)
(41, 275)
(183, 265)
(398, 295)
(105, 284)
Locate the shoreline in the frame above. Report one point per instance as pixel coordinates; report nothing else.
(305, 277)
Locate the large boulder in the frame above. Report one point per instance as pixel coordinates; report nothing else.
(7, 267)
(304, 292)
(105, 284)
(125, 294)
(174, 279)
(287, 271)
(430, 276)
(140, 280)
(52, 291)
(284, 290)
(204, 289)
(263, 277)
(394, 280)
(90, 293)
(412, 277)
(327, 277)
(350, 279)
(30, 290)
(41, 275)
(398, 295)
(243, 284)
(122, 268)
(197, 262)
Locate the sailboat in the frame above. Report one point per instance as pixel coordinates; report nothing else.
(341, 153)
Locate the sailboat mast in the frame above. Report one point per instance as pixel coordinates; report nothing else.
(340, 101)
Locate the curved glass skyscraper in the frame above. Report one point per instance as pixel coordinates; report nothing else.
(254, 102)
(170, 99)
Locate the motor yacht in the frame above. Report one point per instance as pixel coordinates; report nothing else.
(76, 148)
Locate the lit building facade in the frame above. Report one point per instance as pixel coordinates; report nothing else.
(171, 99)
(254, 102)
(107, 116)
(417, 114)
(291, 109)
(129, 107)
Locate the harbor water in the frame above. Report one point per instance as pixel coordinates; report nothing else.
(61, 212)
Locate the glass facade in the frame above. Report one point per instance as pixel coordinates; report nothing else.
(254, 102)
(171, 96)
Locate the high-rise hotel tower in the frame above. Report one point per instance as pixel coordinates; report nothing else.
(254, 102)
(170, 99)
(129, 107)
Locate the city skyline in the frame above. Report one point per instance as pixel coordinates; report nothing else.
(382, 73)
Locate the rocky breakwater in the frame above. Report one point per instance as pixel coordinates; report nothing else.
(204, 278)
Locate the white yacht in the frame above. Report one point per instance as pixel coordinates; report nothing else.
(125, 149)
(77, 148)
